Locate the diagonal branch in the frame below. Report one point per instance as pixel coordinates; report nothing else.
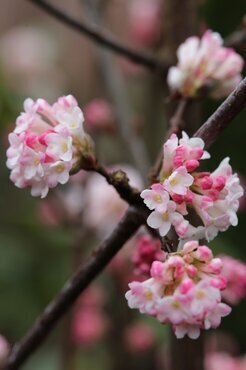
(107, 41)
(106, 251)
(221, 118)
(74, 286)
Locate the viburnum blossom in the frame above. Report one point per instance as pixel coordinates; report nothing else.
(184, 291)
(235, 273)
(213, 196)
(205, 64)
(46, 143)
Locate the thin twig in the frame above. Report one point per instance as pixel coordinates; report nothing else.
(107, 41)
(119, 180)
(237, 40)
(116, 88)
(221, 118)
(72, 289)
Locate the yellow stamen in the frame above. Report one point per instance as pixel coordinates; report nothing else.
(157, 198)
(149, 295)
(200, 294)
(165, 216)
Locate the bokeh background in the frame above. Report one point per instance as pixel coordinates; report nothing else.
(42, 242)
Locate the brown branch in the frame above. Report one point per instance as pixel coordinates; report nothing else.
(116, 88)
(119, 180)
(107, 41)
(215, 124)
(221, 118)
(237, 40)
(126, 228)
(72, 289)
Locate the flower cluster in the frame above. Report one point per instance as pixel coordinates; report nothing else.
(184, 291)
(45, 144)
(235, 273)
(147, 250)
(205, 64)
(213, 196)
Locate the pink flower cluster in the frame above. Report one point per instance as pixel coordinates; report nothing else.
(205, 64)
(235, 273)
(45, 144)
(184, 291)
(147, 251)
(213, 196)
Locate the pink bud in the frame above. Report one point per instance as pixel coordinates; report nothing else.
(157, 270)
(181, 151)
(186, 285)
(203, 253)
(196, 153)
(219, 182)
(177, 161)
(31, 140)
(206, 183)
(191, 271)
(178, 198)
(215, 266)
(219, 282)
(191, 165)
(189, 196)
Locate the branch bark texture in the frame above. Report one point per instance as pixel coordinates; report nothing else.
(74, 286)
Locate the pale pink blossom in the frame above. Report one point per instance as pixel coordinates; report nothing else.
(157, 198)
(164, 220)
(179, 181)
(45, 144)
(205, 64)
(214, 196)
